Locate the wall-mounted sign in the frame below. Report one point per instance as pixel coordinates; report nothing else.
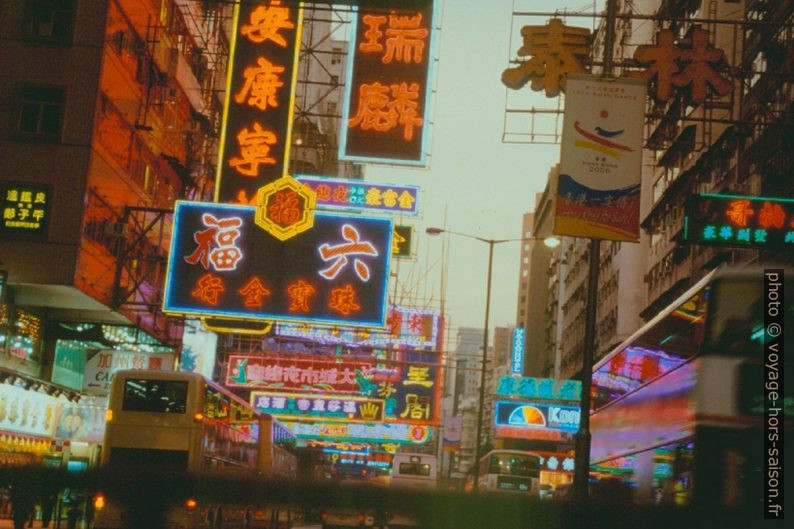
(306, 373)
(540, 388)
(517, 351)
(388, 88)
(734, 220)
(257, 118)
(285, 208)
(409, 328)
(26, 209)
(692, 63)
(554, 51)
(199, 347)
(598, 190)
(532, 420)
(29, 412)
(100, 368)
(308, 407)
(82, 422)
(386, 433)
(402, 241)
(340, 193)
(222, 265)
(414, 399)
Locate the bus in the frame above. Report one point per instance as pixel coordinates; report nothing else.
(182, 422)
(677, 407)
(507, 471)
(414, 470)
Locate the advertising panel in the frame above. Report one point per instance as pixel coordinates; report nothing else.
(388, 87)
(223, 265)
(341, 193)
(303, 407)
(257, 118)
(99, 368)
(29, 412)
(540, 388)
(598, 191)
(735, 220)
(386, 433)
(26, 209)
(532, 420)
(198, 349)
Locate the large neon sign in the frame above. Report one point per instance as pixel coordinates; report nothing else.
(386, 433)
(532, 420)
(339, 193)
(302, 407)
(222, 265)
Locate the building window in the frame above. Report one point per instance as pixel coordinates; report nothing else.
(49, 19)
(41, 111)
(336, 55)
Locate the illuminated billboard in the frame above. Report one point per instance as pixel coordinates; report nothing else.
(539, 388)
(532, 420)
(341, 193)
(257, 118)
(308, 407)
(26, 209)
(735, 220)
(221, 264)
(385, 433)
(388, 87)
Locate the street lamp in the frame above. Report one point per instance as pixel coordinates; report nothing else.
(550, 242)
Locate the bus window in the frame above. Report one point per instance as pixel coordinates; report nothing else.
(155, 396)
(414, 469)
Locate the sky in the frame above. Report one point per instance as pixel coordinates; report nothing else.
(480, 185)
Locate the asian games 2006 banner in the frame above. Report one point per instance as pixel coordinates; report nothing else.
(598, 191)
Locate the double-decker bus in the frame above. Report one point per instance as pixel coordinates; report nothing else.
(507, 471)
(182, 422)
(677, 407)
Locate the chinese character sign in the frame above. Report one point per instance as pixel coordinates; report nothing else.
(414, 399)
(100, 368)
(517, 351)
(25, 209)
(735, 220)
(337, 193)
(540, 388)
(258, 113)
(386, 433)
(598, 190)
(222, 264)
(307, 407)
(387, 92)
(402, 242)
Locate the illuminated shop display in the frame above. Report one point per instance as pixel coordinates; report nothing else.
(257, 118)
(386, 433)
(734, 220)
(539, 388)
(533, 420)
(26, 209)
(340, 193)
(223, 265)
(517, 351)
(407, 328)
(301, 407)
(388, 88)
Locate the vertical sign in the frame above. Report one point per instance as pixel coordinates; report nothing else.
(517, 355)
(257, 117)
(387, 93)
(598, 192)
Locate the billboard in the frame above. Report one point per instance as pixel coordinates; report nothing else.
(736, 220)
(221, 264)
(385, 433)
(388, 87)
(540, 388)
(199, 347)
(341, 193)
(260, 83)
(598, 190)
(308, 407)
(100, 368)
(533, 420)
(26, 209)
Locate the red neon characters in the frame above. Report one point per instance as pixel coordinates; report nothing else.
(339, 253)
(254, 292)
(343, 300)
(300, 294)
(216, 244)
(208, 289)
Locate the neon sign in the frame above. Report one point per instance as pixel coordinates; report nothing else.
(338, 193)
(387, 94)
(531, 420)
(517, 362)
(539, 388)
(402, 245)
(302, 407)
(223, 265)
(257, 118)
(25, 209)
(743, 221)
(387, 433)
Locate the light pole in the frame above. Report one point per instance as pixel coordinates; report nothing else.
(551, 242)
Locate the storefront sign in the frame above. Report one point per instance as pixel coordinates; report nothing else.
(403, 239)
(598, 190)
(257, 119)
(28, 412)
(315, 373)
(82, 423)
(387, 93)
(302, 407)
(339, 193)
(199, 347)
(735, 220)
(100, 367)
(540, 388)
(532, 420)
(222, 265)
(386, 433)
(517, 351)
(68, 368)
(26, 209)
(415, 398)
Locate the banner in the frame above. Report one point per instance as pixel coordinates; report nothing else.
(453, 425)
(598, 190)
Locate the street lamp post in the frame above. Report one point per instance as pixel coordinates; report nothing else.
(550, 242)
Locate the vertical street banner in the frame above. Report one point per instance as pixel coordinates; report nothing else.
(598, 191)
(388, 86)
(257, 118)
